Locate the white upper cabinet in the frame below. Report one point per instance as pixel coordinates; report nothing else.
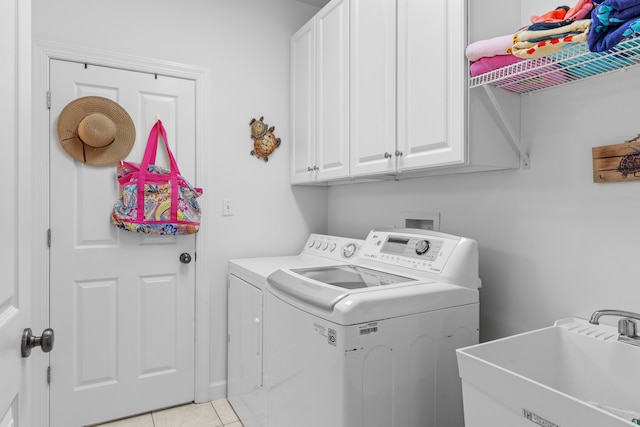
(320, 98)
(432, 83)
(391, 94)
(373, 86)
(303, 104)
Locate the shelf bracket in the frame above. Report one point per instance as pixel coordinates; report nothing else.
(514, 140)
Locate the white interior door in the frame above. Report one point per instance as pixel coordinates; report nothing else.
(121, 303)
(14, 297)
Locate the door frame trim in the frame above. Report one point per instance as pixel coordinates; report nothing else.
(43, 53)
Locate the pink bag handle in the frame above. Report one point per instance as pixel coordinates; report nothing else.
(149, 158)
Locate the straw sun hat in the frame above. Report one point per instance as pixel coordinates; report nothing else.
(96, 131)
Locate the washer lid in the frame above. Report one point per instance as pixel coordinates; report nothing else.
(351, 276)
(324, 287)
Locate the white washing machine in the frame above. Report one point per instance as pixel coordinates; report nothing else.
(246, 318)
(372, 344)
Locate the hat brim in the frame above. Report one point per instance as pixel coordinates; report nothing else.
(72, 115)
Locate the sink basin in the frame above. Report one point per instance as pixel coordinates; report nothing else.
(571, 374)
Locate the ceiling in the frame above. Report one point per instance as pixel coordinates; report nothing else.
(319, 3)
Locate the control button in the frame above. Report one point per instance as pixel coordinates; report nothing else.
(311, 243)
(332, 248)
(325, 246)
(348, 250)
(422, 247)
(318, 244)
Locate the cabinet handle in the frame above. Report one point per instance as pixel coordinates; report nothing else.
(387, 155)
(309, 169)
(398, 153)
(315, 168)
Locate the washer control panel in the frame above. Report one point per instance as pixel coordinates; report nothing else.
(333, 247)
(426, 252)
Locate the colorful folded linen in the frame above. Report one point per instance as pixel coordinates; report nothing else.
(613, 21)
(491, 47)
(547, 47)
(563, 13)
(574, 28)
(484, 65)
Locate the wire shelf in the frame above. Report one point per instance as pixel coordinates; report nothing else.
(568, 65)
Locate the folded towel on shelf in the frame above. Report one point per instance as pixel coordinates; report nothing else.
(547, 47)
(574, 28)
(613, 21)
(563, 13)
(484, 65)
(616, 12)
(491, 47)
(556, 14)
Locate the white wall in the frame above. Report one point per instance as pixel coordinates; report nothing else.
(245, 45)
(552, 243)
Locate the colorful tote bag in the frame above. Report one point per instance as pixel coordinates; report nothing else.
(154, 199)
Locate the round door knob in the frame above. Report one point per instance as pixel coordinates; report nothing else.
(185, 258)
(387, 155)
(29, 341)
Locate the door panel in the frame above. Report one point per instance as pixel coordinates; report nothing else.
(303, 104)
(430, 123)
(121, 303)
(14, 297)
(332, 38)
(373, 86)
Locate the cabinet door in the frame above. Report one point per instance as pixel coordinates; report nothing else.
(332, 80)
(373, 86)
(431, 83)
(244, 368)
(303, 104)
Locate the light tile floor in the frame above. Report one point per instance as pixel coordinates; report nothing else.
(217, 413)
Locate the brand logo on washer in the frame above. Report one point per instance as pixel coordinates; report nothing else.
(332, 337)
(537, 419)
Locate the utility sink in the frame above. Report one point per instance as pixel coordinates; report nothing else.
(573, 374)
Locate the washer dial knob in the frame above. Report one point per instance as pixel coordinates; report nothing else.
(349, 250)
(422, 247)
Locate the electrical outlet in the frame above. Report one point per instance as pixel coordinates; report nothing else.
(227, 207)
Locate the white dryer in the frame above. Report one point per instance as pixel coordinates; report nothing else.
(372, 344)
(247, 280)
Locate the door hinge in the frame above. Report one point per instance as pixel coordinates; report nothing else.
(48, 374)
(49, 238)
(48, 99)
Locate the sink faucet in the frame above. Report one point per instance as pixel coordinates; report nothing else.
(627, 327)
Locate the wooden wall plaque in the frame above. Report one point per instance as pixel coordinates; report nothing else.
(616, 163)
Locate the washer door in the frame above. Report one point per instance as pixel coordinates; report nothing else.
(351, 277)
(324, 287)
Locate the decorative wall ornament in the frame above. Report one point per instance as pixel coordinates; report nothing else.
(615, 163)
(264, 141)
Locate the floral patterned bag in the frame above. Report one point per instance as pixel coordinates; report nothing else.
(154, 199)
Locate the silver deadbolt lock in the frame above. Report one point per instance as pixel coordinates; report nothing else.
(185, 258)
(29, 341)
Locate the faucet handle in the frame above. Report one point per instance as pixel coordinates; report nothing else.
(627, 327)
